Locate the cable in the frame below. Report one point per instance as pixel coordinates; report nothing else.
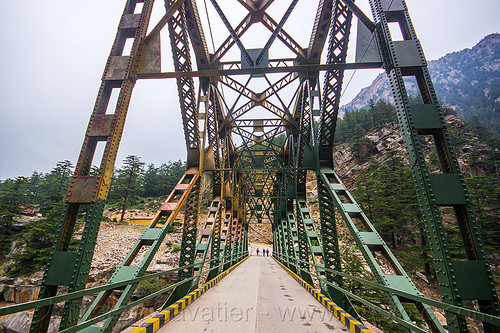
(354, 73)
(209, 26)
(26, 150)
(362, 57)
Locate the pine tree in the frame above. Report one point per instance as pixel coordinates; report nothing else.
(12, 197)
(55, 184)
(386, 193)
(128, 180)
(48, 191)
(485, 194)
(151, 181)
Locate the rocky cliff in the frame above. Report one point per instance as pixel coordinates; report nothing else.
(467, 80)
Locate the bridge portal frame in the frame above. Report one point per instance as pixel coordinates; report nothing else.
(246, 177)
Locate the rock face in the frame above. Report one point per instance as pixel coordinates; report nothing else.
(17, 323)
(19, 293)
(114, 241)
(260, 233)
(388, 139)
(20, 323)
(384, 139)
(467, 80)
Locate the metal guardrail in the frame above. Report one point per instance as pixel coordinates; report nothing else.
(438, 304)
(77, 294)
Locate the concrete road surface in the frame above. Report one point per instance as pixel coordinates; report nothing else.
(258, 296)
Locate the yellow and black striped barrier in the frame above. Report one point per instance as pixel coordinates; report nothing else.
(164, 316)
(350, 322)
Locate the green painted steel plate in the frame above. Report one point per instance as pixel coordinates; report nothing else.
(312, 233)
(400, 282)
(124, 273)
(447, 189)
(370, 238)
(61, 268)
(426, 116)
(151, 234)
(351, 208)
(202, 247)
(472, 280)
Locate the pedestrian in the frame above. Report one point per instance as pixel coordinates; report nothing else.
(257, 252)
(267, 253)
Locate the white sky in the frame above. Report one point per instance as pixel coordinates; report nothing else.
(54, 51)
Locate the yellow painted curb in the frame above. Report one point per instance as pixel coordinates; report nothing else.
(350, 322)
(152, 325)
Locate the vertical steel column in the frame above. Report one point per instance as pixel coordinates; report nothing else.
(338, 39)
(238, 232)
(303, 250)
(189, 248)
(286, 239)
(225, 237)
(330, 241)
(281, 239)
(228, 249)
(215, 251)
(276, 247)
(406, 59)
(179, 43)
(67, 268)
(305, 220)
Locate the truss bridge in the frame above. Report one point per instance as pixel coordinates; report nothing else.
(259, 84)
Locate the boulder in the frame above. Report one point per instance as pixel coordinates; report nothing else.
(16, 323)
(20, 294)
(441, 319)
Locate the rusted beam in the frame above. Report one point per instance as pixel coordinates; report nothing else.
(268, 70)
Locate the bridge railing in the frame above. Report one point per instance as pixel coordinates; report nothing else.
(113, 286)
(476, 315)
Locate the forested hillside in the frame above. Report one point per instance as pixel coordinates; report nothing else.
(371, 160)
(466, 80)
(371, 157)
(31, 207)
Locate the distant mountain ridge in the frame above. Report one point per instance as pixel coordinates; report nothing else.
(467, 80)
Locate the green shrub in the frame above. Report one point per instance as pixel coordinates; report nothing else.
(149, 286)
(176, 248)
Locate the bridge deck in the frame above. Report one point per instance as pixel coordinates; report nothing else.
(258, 296)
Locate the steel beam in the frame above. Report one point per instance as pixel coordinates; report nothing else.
(336, 54)
(135, 264)
(103, 126)
(383, 264)
(263, 70)
(446, 189)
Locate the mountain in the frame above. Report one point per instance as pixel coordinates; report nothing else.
(467, 80)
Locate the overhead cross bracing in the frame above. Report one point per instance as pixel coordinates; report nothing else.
(259, 111)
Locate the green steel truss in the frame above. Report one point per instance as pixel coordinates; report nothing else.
(405, 59)
(186, 192)
(250, 124)
(382, 262)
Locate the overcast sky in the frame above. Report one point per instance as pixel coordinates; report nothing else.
(54, 51)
